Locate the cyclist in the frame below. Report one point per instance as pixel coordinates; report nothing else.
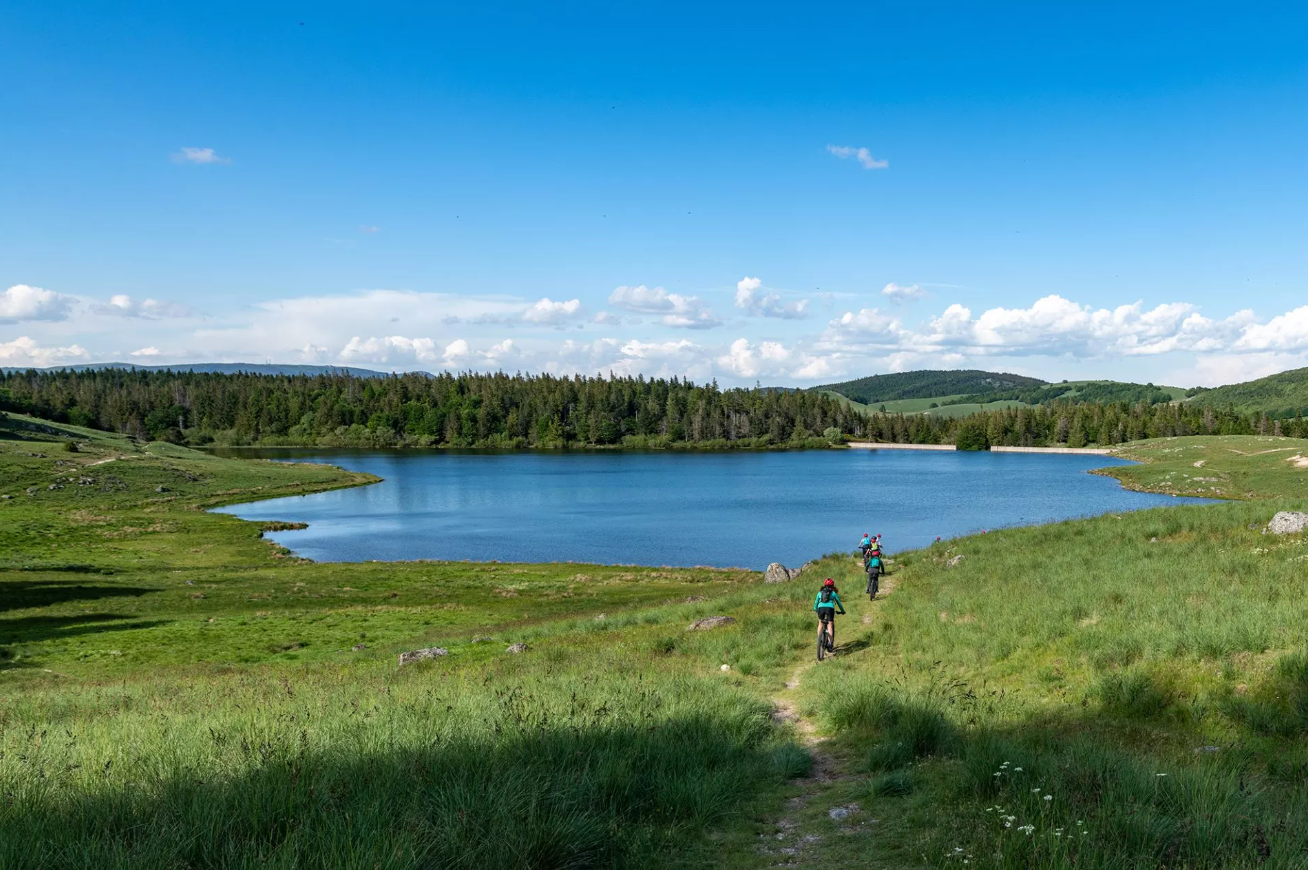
(865, 543)
(824, 605)
(874, 570)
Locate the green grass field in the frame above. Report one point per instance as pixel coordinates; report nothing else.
(179, 692)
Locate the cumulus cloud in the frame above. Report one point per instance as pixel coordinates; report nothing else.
(24, 351)
(1055, 326)
(150, 309)
(547, 311)
(146, 351)
(754, 299)
(199, 156)
(1285, 332)
(898, 293)
(687, 312)
(681, 357)
(22, 302)
(772, 359)
(862, 155)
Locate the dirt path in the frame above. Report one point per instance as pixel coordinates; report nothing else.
(784, 845)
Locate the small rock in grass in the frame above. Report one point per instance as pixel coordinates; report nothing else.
(954, 561)
(419, 655)
(161, 489)
(517, 648)
(725, 668)
(1207, 749)
(481, 638)
(776, 573)
(710, 622)
(838, 813)
(359, 647)
(1288, 523)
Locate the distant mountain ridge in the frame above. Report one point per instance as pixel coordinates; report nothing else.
(219, 369)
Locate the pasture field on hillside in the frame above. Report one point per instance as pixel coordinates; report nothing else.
(1125, 691)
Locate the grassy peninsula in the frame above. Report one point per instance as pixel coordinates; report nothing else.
(1124, 691)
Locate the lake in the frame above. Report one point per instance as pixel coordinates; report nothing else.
(725, 509)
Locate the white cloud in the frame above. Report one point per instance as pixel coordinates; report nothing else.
(199, 156)
(754, 299)
(151, 309)
(1285, 332)
(456, 352)
(681, 357)
(862, 155)
(898, 293)
(22, 302)
(679, 311)
(388, 349)
(548, 311)
(606, 318)
(146, 351)
(24, 351)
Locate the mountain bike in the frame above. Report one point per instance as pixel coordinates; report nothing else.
(873, 584)
(826, 643)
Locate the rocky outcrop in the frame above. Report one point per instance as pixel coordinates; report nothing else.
(777, 573)
(419, 655)
(952, 563)
(709, 622)
(517, 648)
(1288, 523)
(801, 569)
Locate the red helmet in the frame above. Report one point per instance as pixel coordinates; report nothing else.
(829, 582)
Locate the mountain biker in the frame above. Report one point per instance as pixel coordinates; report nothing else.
(865, 543)
(825, 604)
(873, 575)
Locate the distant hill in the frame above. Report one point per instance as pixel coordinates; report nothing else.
(1281, 395)
(221, 369)
(929, 385)
(1079, 391)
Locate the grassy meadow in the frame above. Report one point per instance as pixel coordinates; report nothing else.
(175, 691)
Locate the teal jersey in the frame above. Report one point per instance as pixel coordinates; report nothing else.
(818, 603)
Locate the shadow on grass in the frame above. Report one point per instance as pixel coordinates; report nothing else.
(29, 594)
(31, 629)
(504, 794)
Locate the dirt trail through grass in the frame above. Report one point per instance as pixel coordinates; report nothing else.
(821, 808)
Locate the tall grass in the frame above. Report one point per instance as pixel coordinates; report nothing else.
(587, 765)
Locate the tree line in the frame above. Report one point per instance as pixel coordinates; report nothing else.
(514, 411)
(463, 410)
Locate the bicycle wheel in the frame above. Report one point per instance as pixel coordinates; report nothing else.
(822, 642)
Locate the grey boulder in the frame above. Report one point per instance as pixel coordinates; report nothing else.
(419, 655)
(777, 573)
(709, 622)
(517, 648)
(1288, 523)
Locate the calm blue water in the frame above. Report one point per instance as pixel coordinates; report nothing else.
(721, 509)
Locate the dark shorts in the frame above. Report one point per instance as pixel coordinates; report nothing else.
(826, 614)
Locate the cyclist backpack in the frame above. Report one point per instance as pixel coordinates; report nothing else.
(826, 595)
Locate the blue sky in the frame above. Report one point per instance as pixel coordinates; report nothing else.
(742, 191)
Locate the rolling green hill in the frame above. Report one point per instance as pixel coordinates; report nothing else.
(958, 394)
(876, 389)
(1281, 395)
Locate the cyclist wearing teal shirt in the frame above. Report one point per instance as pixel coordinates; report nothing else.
(825, 604)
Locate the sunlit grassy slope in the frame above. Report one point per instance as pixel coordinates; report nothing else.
(178, 692)
(1126, 691)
